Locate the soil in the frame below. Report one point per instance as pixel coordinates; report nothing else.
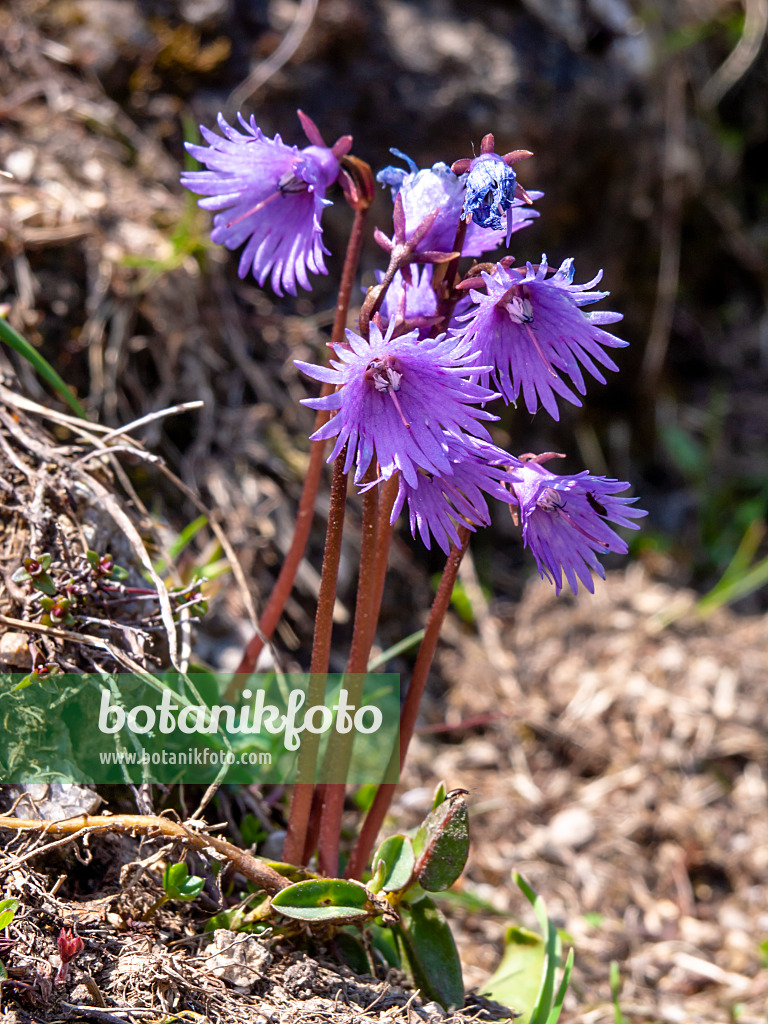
(613, 746)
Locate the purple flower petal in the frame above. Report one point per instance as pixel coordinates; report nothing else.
(437, 505)
(396, 398)
(531, 329)
(267, 195)
(565, 522)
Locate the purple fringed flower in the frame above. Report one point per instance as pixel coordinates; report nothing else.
(530, 328)
(438, 504)
(565, 520)
(396, 398)
(423, 191)
(270, 196)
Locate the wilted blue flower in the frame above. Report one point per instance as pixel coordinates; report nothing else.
(268, 195)
(565, 520)
(396, 398)
(438, 188)
(531, 328)
(492, 188)
(490, 191)
(438, 504)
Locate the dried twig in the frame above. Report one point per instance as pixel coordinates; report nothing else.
(255, 870)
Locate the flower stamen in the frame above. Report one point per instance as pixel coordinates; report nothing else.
(519, 309)
(384, 377)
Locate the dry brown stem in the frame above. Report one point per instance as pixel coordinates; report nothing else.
(254, 870)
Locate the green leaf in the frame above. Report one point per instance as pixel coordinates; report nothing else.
(385, 944)
(428, 954)
(33, 677)
(325, 899)
(440, 794)
(8, 910)
(441, 844)
(517, 979)
(231, 919)
(399, 648)
(252, 830)
(289, 870)
(44, 584)
(15, 341)
(565, 981)
(392, 865)
(3, 973)
(179, 884)
(526, 976)
(351, 951)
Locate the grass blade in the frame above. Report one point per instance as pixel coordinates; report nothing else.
(15, 341)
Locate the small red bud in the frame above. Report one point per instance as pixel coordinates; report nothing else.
(69, 947)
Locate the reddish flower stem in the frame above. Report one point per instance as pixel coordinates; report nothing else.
(285, 580)
(386, 501)
(386, 529)
(375, 817)
(341, 751)
(301, 802)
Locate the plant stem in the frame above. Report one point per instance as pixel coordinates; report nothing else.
(285, 580)
(340, 752)
(366, 593)
(375, 817)
(301, 801)
(255, 870)
(386, 529)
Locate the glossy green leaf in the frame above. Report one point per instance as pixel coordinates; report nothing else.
(428, 954)
(3, 973)
(393, 864)
(325, 899)
(8, 910)
(441, 844)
